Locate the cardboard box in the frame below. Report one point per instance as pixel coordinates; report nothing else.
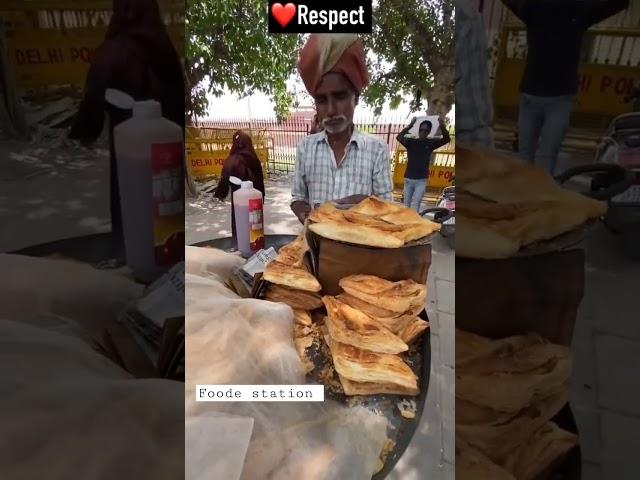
(329, 261)
(539, 293)
(332, 261)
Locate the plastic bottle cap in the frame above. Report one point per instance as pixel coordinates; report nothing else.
(246, 184)
(119, 99)
(147, 108)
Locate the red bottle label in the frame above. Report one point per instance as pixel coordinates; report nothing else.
(256, 226)
(168, 202)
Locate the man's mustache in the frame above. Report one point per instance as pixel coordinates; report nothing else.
(338, 118)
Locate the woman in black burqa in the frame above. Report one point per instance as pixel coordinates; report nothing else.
(242, 162)
(138, 58)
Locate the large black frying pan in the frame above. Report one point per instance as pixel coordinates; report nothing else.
(418, 358)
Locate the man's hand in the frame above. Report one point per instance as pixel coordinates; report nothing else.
(413, 120)
(301, 210)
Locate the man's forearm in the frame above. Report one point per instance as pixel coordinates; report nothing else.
(402, 133)
(301, 209)
(445, 137)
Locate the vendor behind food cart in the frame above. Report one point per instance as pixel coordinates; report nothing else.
(339, 163)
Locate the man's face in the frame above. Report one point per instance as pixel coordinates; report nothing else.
(424, 130)
(335, 102)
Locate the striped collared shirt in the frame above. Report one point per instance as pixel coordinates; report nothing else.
(474, 110)
(365, 170)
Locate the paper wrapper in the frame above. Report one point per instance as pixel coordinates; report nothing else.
(332, 261)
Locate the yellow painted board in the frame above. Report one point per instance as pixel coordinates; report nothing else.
(205, 164)
(602, 88)
(24, 5)
(46, 57)
(439, 176)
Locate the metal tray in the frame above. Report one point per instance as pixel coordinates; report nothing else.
(400, 430)
(100, 250)
(562, 242)
(228, 244)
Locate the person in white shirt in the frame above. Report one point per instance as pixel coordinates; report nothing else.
(339, 163)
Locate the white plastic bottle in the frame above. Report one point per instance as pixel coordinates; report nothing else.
(247, 205)
(149, 150)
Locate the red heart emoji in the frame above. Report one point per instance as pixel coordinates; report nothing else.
(283, 14)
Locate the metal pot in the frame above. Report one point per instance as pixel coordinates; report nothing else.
(446, 218)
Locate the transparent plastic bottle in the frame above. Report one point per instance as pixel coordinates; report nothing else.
(149, 151)
(248, 209)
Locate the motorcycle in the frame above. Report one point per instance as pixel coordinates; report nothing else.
(444, 213)
(616, 178)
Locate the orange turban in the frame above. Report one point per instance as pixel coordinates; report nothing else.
(333, 53)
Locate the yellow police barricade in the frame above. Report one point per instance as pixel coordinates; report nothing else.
(44, 57)
(441, 171)
(207, 149)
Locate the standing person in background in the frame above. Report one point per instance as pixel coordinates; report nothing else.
(242, 162)
(555, 29)
(138, 58)
(474, 111)
(339, 163)
(419, 151)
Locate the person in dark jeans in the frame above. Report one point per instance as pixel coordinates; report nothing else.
(419, 152)
(555, 29)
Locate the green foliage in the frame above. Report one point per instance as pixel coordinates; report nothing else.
(228, 42)
(412, 42)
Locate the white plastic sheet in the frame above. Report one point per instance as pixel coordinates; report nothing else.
(207, 457)
(66, 408)
(210, 262)
(247, 341)
(56, 293)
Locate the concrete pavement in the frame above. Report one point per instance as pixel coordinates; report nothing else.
(431, 454)
(50, 191)
(207, 217)
(605, 387)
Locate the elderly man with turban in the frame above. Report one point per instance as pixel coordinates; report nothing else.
(339, 163)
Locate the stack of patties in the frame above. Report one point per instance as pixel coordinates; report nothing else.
(507, 393)
(289, 279)
(372, 222)
(366, 349)
(505, 205)
(395, 305)
(304, 333)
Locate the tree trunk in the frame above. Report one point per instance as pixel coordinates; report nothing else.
(440, 96)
